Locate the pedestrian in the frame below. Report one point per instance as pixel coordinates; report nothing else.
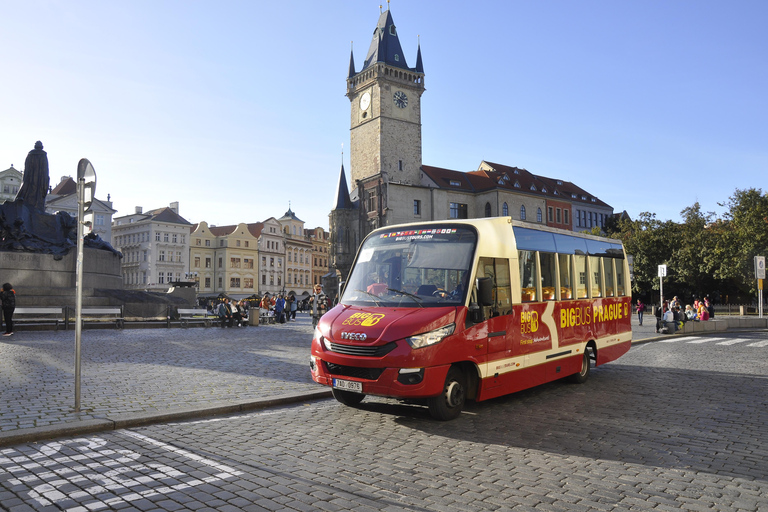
(318, 304)
(640, 310)
(237, 315)
(294, 307)
(225, 313)
(280, 309)
(8, 298)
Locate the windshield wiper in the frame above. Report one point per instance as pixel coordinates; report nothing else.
(416, 298)
(375, 297)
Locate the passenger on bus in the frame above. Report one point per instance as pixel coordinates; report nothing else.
(380, 286)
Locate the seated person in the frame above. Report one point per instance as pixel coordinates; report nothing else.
(379, 287)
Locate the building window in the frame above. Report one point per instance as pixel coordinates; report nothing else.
(197, 261)
(161, 257)
(207, 282)
(246, 243)
(146, 255)
(99, 220)
(458, 211)
(160, 278)
(165, 237)
(237, 243)
(174, 238)
(221, 280)
(538, 215)
(549, 215)
(505, 210)
(399, 165)
(565, 216)
(522, 212)
(157, 237)
(264, 280)
(372, 200)
(221, 263)
(170, 277)
(558, 213)
(487, 209)
(234, 282)
(248, 282)
(234, 262)
(248, 263)
(271, 262)
(207, 243)
(416, 207)
(207, 262)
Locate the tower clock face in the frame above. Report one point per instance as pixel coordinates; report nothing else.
(365, 101)
(401, 100)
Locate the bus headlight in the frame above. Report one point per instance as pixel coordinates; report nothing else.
(431, 337)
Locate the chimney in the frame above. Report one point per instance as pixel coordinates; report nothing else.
(175, 207)
(138, 209)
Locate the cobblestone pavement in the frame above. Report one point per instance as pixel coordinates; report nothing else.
(677, 425)
(130, 374)
(138, 376)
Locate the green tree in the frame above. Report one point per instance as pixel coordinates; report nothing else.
(742, 235)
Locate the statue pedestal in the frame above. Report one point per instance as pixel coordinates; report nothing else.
(50, 280)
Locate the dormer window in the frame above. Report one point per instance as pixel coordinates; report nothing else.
(559, 182)
(517, 171)
(594, 200)
(583, 198)
(544, 190)
(517, 184)
(533, 187)
(397, 58)
(573, 196)
(455, 183)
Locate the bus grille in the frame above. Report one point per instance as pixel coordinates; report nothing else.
(352, 371)
(354, 350)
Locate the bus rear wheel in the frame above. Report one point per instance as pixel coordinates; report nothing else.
(448, 404)
(349, 398)
(583, 375)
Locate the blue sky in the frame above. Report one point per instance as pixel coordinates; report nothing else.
(235, 109)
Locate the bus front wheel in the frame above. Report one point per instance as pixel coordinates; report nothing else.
(583, 375)
(448, 405)
(349, 398)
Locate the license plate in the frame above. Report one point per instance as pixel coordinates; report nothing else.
(348, 385)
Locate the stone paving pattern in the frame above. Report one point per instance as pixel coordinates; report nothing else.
(153, 371)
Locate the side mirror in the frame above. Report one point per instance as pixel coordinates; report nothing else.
(485, 291)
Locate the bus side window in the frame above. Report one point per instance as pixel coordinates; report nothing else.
(565, 262)
(620, 278)
(610, 290)
(594, 267)
(548, 275)
(528, 277)
(581, 276)
(498, 270)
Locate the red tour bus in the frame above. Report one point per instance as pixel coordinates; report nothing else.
(445, 311)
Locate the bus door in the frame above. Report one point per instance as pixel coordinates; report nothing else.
(499, 317)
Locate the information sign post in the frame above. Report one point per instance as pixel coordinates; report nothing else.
(760, 275)
(662, 275)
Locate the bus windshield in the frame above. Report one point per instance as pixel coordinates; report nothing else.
(426, 267)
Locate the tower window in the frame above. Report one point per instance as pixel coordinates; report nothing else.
(399, 165)
(416, 207)
(392, 32)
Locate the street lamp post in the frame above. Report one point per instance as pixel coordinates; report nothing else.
(86, 190)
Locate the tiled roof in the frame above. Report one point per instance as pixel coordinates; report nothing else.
(492, 176)
(65, 188)
(166, 215)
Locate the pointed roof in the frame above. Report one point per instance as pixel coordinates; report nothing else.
(419, 64)
(167, 215)
(343, 202)
(385, 45)
(351, 64)
(289, 215)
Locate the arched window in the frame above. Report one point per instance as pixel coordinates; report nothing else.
(505, 209)
(522, 212)
(538, 215)
(487, 209)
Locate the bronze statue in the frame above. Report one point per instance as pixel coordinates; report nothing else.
(34, 186)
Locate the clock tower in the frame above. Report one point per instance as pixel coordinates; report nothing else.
(385, 98)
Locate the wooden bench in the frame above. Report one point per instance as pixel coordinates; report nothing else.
(40, 316)
(200, 316)
(114, 314)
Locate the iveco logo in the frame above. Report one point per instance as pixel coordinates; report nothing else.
(357, 336)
